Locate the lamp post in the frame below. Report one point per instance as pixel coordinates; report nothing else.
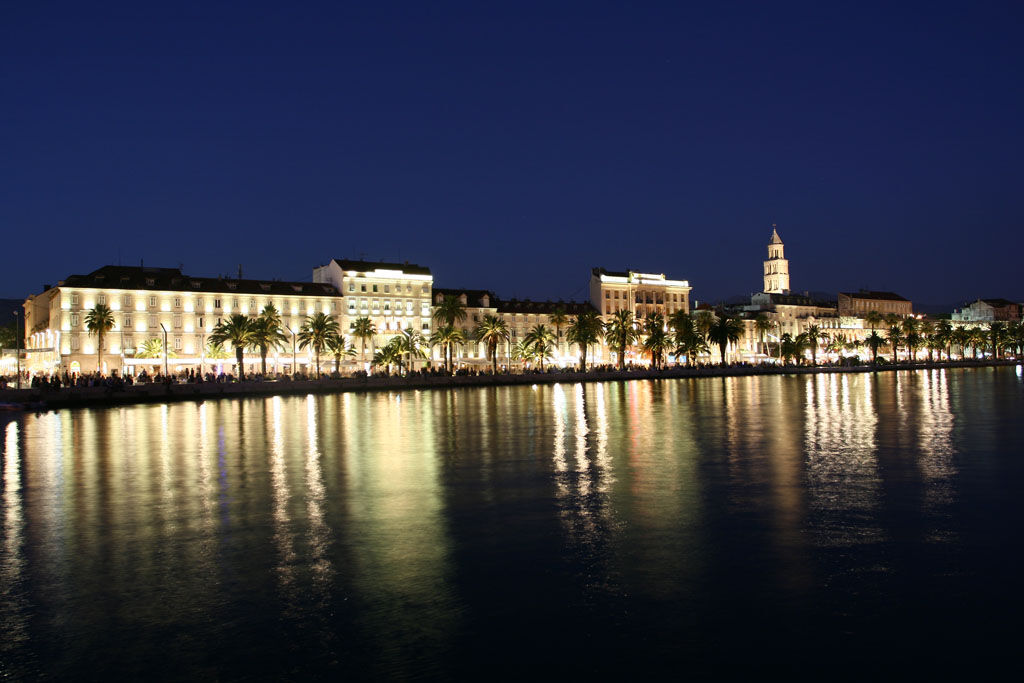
(293, 350)
(17, 342)
(166, 371)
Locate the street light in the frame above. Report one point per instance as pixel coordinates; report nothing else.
(17, 342)
(293, 350)
(166, 371)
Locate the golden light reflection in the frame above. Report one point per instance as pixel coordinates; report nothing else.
(14, 609)
(319, 532)
(280, 495)
(842, 469)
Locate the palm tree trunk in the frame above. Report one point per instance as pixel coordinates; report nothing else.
(238, 358)
(263, 359)
(99, 352)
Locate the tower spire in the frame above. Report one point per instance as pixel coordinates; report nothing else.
(776, 268)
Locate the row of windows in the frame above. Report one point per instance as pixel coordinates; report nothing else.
(425, 289)
(646, 297)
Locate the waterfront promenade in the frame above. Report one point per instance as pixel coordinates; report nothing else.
(81, 396)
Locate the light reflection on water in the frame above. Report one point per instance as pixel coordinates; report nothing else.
(426, 533)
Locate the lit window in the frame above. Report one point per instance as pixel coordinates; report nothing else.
(375, 288)
(387, 288)
(351, 286)
(74, 320)
(216, 303)
(74, 299)
(101, 299)
(152, 302)
(177, 302)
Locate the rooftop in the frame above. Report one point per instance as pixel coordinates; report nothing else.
(172, 279)
(876, 296)
(370, 266)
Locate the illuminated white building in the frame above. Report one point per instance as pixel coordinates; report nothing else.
(394, 296)
(149, 303)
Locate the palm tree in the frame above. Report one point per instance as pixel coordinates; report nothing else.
(216, 351)
(927, 333)
(447, 336)
(961, 336)
(338, 346)
(944, 333)
(894, 339)
(558, 319)
(411, 345)
(874, 341)
(363, 329)
(1015, 336)
(657, 341)
(99, 320)
(621, 333)
(978, 339)
(315, 331)
(387, 356)
(540, 339)
(237, 330)
(874, 319)
(792, 347)
(688, 341)
(584, 330)
(523, 351)
(152, 348)
(725, 331)
(911, 336)
(997, 333)
(451, 310)
(490, 331)
(704, 320)
(813, 335)
(762, 323)
(267, 333)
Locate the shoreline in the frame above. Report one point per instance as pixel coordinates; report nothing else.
(35, 399)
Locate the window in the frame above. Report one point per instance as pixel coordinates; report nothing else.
(408, 289)
(362, 288)
(74, 299)
(607, 295)
(126, 300)
(426, 326)
(127, 321)
(74, 320)
(351, 286)
(74, 342)
(177, 343)
(387, 288)
(101, 299)
(425, 290)
(152, 302)
(177, 302)
(152, 322)
(387, 305)
(375, 288)
(129, 342)
(177, 322)
(200, 325)
(252, 304)
(216, 303)
(234, 305)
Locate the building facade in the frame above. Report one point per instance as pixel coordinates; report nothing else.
(859, 304)
(988, 310)
(162, 304)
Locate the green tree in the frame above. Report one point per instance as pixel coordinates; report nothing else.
(363, 329)
(558, 319)
(725, 331)
(338, 346)
(996, 334)
(267, 334)
(762, 323)
(411, 345)
(927, 332)
(813, 336)
(894, 339)
(451, 310)
(237, 330)
(387, 356)
(657, 339)
(9, 335)
(540, 339)
(911, 336)
(874, 319)
(98, 321)
(961, 337)
(315, 331)
(944, 333)
(874, 341)
(153, 348)
(978, 337)
(621, 333)
(215, 351)
(686, 338)
(791, 347)
(584, 330)
(448, 337)
(491, 331)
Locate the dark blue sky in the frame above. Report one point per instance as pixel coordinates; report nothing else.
(513, 146)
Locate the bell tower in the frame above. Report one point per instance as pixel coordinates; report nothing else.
(776, 268)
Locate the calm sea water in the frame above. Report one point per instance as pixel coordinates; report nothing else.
(824, 526)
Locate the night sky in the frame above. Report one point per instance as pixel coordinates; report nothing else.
(513, 146)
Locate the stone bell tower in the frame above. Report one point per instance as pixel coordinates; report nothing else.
(776, 268)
